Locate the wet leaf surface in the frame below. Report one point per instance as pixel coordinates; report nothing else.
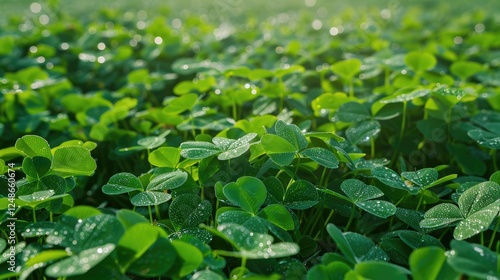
(249, 193)
(301, 195)
(322, 156)
(188, 210)
(81, 263)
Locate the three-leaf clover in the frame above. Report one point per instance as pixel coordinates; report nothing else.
(289, 142)
(362, 195)
(476, 210)
(249, 194)
(153, 194)
(225, 148)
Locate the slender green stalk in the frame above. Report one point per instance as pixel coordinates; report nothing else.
(235, 111)
(297, 165)
(372, 146)
(243, 266)
(351, 218)
(328, 176)
(494, 233)
(351, 88)
(401, 199)
(420, 201)
(401, 133)
(316, 220)
(386, 81)
(292, 179)
(224, 253)
(158, 215)
(34, 215)
(150, 214)
(328, 218)
(482, 238)
(307, 226)
(324, 224)
(322, 178)
(290, 183)
(403, 124)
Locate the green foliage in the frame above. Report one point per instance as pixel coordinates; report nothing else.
(161, 144)
(477, 207)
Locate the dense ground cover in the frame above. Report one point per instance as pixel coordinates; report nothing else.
(312, 143)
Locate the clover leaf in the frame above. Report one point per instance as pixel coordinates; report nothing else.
(476, 210)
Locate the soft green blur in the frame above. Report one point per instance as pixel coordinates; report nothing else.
(238, 10)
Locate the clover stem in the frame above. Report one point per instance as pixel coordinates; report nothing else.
(296, 167)
(351, 218)
(312, 214)
(243, 266)
(51, 216)
(351, 88)
(420, 201)
(34, 215)
(235, 111)
(328, 218)
(372, 144)
(328, 176)
(391, 221)
(322, 178)
(494, 233)
(157, 210)
(401, 200)
(150, 214)
(316, 220)
(403, 124)
(401, 133)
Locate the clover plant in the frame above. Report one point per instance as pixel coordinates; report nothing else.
(231, 140)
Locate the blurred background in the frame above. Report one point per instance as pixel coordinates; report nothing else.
(236, 10)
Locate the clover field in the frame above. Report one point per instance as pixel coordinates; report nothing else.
(224, 140)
